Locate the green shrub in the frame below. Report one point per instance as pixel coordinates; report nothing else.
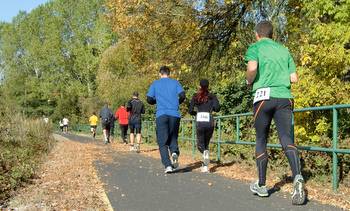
(22, 144)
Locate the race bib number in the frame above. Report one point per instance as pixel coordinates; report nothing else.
(203, 117)
(262, 94)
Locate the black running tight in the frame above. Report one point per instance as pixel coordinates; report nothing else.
(280, 110)
(204, 135)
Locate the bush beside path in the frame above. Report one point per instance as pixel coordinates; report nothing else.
(66, 181)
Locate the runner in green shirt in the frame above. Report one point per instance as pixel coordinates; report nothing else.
(271, 70)
(275, 67)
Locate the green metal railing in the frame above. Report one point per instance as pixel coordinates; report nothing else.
(188, 133)
(237, 117)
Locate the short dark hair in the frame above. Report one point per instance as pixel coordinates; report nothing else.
(164, 70)
(264, 29)
(204, 83)
(135, 94)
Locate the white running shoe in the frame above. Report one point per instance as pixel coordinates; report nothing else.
(298, 195)
(168, 170)
(132, 148)
(260, 190)
(206, 159)
(175, 160)
(205, 169)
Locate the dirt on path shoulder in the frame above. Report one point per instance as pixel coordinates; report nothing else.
(66, 181)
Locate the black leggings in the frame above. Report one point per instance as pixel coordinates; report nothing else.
(279, 109)
(204, 135)
(124, 131)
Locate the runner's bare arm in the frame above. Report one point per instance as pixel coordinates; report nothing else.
(294, 77)
(251, 71)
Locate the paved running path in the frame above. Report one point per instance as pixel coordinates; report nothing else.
(137, 183)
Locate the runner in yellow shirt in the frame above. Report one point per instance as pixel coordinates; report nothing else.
(93, 123)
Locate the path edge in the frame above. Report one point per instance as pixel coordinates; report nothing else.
(104, 196)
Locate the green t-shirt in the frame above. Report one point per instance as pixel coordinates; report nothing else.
(275, 64)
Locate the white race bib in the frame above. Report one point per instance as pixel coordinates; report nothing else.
(203, 117)
(262, 94)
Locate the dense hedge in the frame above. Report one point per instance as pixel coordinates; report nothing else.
(22, 144)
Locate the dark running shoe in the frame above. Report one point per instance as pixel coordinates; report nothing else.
(175, 162)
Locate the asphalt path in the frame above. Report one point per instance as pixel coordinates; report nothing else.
(137, 183)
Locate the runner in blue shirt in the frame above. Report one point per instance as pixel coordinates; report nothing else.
(168, 94)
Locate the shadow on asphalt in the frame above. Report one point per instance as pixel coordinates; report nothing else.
(221, 165)
(277, 186)
(189, 168)
(149, 150)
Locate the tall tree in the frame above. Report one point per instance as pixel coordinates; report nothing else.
(52, 54)
(319, 36)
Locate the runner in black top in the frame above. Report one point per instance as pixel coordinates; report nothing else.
(106, 116)
(136, 108)
(205, 103)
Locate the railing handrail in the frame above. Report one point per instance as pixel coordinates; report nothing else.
(332, 149)
(318, 108)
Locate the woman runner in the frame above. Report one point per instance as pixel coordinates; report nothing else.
(202, 105)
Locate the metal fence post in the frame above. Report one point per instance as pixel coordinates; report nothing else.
(193, 137)
(334, 154)
(147, 134)
(218, 155)
(292, 128)
(237, 129)
(182, 131)
(154, 130)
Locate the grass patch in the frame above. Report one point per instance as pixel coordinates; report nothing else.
(22, 143)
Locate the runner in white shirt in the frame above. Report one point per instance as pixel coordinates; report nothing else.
(65, 122)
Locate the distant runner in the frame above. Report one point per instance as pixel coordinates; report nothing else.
(93, 124)
(168, 94)
(271, 70)
(136, 108)
(65, 122)
(111, 137)
(61, 125)
(106, 116)
(46, 119)
(122, 115)
(202, 105)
